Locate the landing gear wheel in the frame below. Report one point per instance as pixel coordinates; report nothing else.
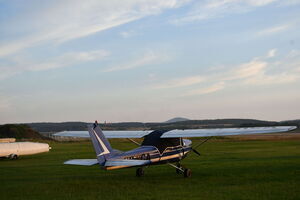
(13, 157)
(187, 173)
(140, 172)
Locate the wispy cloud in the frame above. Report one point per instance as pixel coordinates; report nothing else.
(264, 79)
(258, 71)
(273, 30)
(203, 10)
(180, 82)
(245, 70)
(69, 59)
(19, 64)
(211, 89)
(271, 53)
(68, 20)
(128, 34)
(148, 58)
(289, 2)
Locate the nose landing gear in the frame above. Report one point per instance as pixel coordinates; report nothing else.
(182, 170)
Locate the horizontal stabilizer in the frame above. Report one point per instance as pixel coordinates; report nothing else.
(85, 162)
(126, 162)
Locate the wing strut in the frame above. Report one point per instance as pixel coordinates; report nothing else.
(135, 142)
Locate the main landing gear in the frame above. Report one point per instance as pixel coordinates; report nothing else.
(13, 156)
(181, 170)
(140, 172)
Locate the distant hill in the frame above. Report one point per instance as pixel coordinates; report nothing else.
(56, 127)
(296, 121)
(176, 119)
(82, 126)
(19, 131)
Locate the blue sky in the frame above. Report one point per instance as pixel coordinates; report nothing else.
(140, 60)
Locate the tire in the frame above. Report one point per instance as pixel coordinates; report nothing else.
(140, 172)
(187, 173)
(13, 156)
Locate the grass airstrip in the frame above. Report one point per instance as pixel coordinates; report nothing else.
(227, 169)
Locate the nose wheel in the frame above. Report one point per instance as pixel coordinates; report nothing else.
(187, 173)
(182, 170)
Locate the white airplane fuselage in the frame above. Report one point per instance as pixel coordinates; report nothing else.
(16, 149)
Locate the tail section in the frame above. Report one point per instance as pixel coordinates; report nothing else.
(101, 145)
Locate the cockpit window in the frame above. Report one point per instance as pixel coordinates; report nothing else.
(153, 139)
(167, 142)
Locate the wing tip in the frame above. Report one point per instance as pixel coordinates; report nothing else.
(293, 128)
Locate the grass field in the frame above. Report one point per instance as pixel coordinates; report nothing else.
(227, 169)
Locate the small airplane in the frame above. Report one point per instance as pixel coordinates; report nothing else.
(158, 147)
(12, 150)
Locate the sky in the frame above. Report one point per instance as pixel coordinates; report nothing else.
(149, 60)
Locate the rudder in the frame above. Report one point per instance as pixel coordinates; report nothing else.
(101, 145)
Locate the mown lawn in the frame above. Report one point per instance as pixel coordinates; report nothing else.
(227, 169)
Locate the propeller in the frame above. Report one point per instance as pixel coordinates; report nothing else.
(194, 149)
(196, 152)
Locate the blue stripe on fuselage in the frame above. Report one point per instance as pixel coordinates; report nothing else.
(171, 156)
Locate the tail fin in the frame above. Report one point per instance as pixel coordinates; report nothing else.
(101, 145)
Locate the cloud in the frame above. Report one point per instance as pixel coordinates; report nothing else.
(127, 34)
(245, 70)
(208, 9)
(289, 2)
(69, 59)
(264, 79)
(293, 54)
(19, 64)
(261, 72)
(69, 20)
(271, 53)
(148, 58)
(273, 30)
(180, 82)
(256, 72)
(211, 89)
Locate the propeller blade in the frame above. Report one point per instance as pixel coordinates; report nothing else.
(194, 150)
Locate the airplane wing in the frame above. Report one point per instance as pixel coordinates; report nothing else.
(126, 162)
(225, 131)
(107, 134)
(85, 162)
(183, 133)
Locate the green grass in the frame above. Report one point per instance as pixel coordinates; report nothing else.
(226, 170)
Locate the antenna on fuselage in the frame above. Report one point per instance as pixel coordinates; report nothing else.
(95, 124)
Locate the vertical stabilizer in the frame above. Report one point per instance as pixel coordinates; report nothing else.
(101, 145)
